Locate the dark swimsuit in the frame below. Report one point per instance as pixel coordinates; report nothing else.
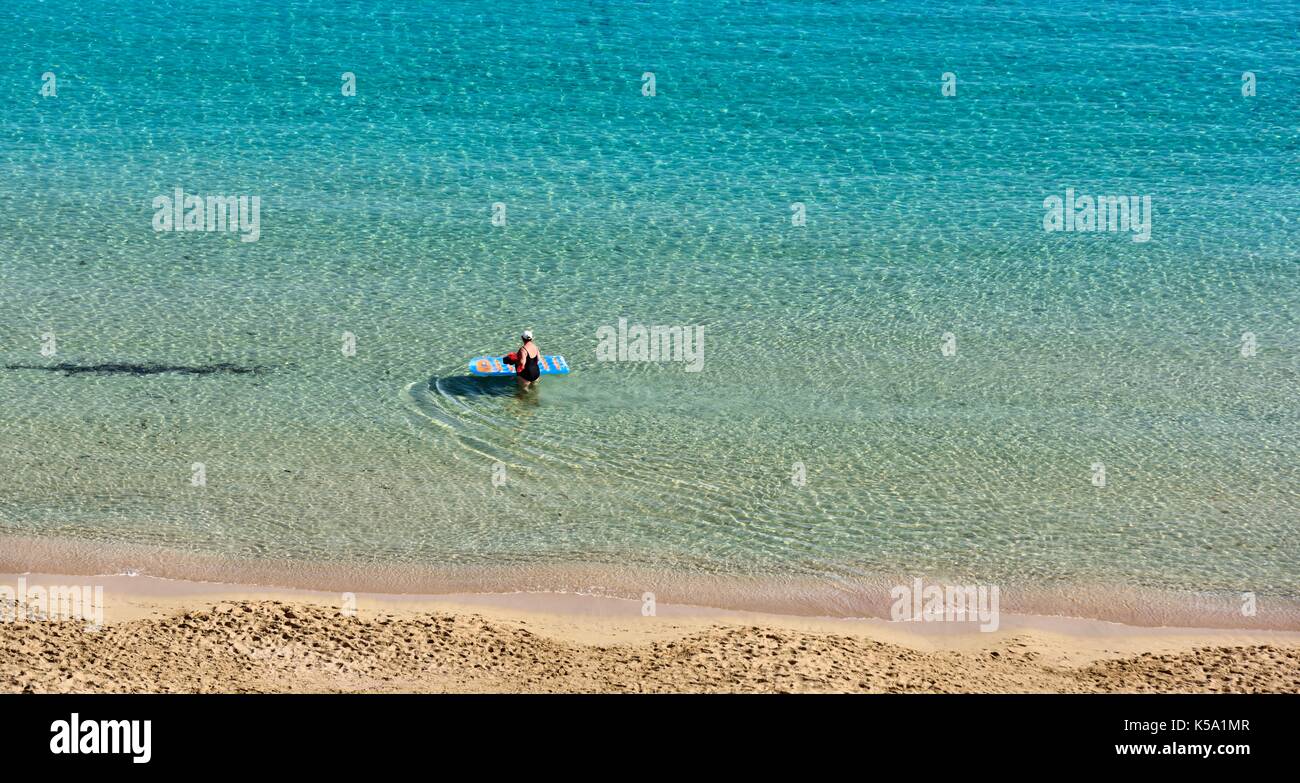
(529, 372)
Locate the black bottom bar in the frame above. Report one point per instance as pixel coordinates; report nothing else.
(307, 733)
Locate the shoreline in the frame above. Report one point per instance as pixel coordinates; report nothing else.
(132, 597)
(783, 596)
(164, 635)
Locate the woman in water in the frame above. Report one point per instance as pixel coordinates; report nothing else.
(528, 358)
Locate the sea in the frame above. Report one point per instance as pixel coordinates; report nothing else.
(891, 341)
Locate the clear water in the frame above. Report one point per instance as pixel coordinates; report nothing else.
(822, 342)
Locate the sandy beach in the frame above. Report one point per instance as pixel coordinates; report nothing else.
(171, 636)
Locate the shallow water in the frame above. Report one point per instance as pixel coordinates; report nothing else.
(821, 342)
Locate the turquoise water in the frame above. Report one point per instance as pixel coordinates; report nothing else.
(822, 342)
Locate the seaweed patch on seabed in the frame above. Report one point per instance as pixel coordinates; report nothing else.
(142, 369)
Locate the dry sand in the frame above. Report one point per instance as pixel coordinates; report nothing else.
(167, 636)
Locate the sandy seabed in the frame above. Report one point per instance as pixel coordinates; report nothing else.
(168, 636)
